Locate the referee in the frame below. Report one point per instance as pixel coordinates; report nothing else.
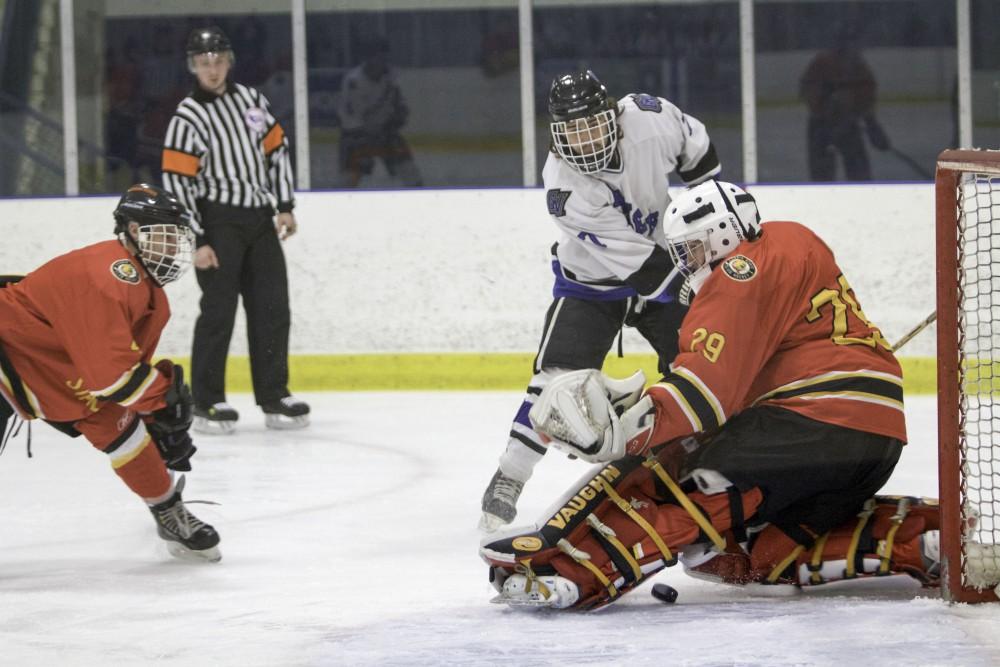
(226, 157)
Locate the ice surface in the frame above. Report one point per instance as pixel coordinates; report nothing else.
(354, 543)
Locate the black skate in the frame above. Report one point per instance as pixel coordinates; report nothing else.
(216, 419)
(286, 413)
(500, 502)
(187, 536)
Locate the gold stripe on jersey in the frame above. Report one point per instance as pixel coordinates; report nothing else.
(718, 413)
(117, 384)
(141, 389)
(682, 403)
(695, 399)
(131, 448)
(130, 386)
(863, 385)
(33, 400)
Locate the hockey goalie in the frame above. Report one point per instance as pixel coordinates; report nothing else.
(757, 459)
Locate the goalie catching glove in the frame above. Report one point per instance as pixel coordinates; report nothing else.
(168, 426)
(594, 417)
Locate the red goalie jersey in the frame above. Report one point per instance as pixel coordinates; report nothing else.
(80, 332)
(777, 323)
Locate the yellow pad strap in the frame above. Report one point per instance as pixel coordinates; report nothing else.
(817, 559)
(788, 560)
(582, 558)
(885, 553)
(852, 550)
(626, 507)
(612, 537)
(692, 509)
(533, 579)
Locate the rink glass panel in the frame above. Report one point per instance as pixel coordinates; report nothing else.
(687, 53)
(458, 74)
(130, 80)
(31, 118)
(909, 47)
(985, 82)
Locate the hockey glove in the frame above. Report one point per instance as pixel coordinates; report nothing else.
(575, 414)
(168, 426)
(637, 425)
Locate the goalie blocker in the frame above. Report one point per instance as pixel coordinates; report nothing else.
(629, 519)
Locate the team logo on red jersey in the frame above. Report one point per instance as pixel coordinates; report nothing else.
(125, 271)
(740, 268)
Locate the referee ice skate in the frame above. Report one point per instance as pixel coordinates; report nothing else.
(226, 157)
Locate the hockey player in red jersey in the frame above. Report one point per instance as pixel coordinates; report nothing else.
(76, 346)
(757, 457)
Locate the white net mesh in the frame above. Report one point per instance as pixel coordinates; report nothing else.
(979, 381)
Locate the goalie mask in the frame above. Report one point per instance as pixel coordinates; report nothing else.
(164, 238)
(706, 223)
(584, 124)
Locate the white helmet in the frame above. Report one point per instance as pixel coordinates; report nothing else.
(706, 223)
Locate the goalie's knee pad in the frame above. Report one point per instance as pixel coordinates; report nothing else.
(892, 535)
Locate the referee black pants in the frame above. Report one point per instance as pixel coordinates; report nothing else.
(251, 265)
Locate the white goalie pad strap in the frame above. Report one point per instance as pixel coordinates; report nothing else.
(574, 412)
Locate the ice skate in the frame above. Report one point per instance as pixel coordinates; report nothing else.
(187, 536)
(216, 419)
(286, 414)
(547, 591)
(500, 502)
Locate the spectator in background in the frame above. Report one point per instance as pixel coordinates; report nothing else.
(227, 157)
(839, 89)
(500, 48)
(124, 77)
(372, 112)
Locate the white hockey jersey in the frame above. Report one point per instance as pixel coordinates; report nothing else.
(612, 244)
(368, 104)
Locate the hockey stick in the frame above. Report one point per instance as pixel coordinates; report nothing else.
(913, 164)
(914, 331)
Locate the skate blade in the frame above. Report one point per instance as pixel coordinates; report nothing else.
(213, 427)
(530, 603)
(490, 523)
(283, 423)
(177, 550)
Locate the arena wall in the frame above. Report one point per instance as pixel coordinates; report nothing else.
(461, 278)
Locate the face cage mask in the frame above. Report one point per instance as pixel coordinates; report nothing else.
(165, 250)
(691, 256)
(594, 138)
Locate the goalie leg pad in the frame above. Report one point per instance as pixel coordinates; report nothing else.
(609, 536)
(892, 535)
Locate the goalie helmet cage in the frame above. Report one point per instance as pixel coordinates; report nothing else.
(967, 193)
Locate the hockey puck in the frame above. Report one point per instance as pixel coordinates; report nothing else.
(664, 593)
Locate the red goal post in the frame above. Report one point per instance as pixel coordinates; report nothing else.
(967, 194)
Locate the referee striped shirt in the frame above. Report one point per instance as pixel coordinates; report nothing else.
(228, 149)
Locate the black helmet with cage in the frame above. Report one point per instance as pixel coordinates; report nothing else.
(164, 237)
(584, 124)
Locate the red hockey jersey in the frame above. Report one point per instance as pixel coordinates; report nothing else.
(777, 323)
(80, 331)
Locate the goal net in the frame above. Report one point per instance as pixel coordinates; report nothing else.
(968, 366)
